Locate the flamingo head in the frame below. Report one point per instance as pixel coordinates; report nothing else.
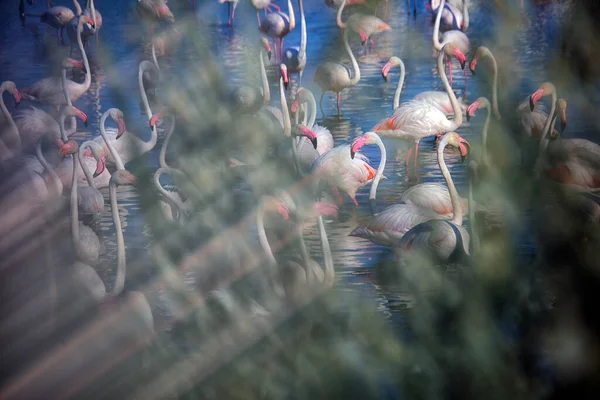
(392, 62)
(69, 147)
(473, 64)
(301, 130)
(12, 88)
(455, 140)
(363, 140)
(481, 102)
(117, 116)
(265, 44)
(276, 205)
(100, 166)
(72, 63)
(158, 115)
(545, 89)
(459, 56)
(123, 177)
(85, 20)
(284, 75)
(561, 105)
(70, 111)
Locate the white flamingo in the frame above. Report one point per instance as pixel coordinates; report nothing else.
(455, 13)
(57, 17)
(415, 120)
(483, 52)
(446, 241)
(335, 77)
(364, 25)
(295, 57)
(265, 5)
(277, 25)
(91, 201)
(456, 37)
(49, 90)
(387, 227)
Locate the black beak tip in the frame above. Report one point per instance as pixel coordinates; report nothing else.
(462, 65)
(314, 142)
(562, 127)
(352, 154)
(472, 71)
(285, 85)
(531, 104)
(269, 55)
(462, 158)
(96, 174)
(385, 78)
(17, 103)
(85, 123)
(468, 117)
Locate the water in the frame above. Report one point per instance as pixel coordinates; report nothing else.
(24, 52)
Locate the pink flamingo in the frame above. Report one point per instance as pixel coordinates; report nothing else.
(456, 37)
(230, 12)
(154, 11)
(364, 25)
(415, 120)
(483, 52)
(452, 15)
(50, 90)
(278, 25)
(446, 241)
(10, 140)
(437, 99)
(94, 14)
(57, 17)
(335, 77)
(387, 227)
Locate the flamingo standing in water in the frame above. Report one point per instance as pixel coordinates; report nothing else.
(445, 241)
(58, 17)
(455, 13)
(364, 25)
(387, 227)
(277, 25)
(50, 91)
(437, 99)
(335, 77)
(295, 57)
(263, 5)
(483, 52)
(456, 37)
(415, 120)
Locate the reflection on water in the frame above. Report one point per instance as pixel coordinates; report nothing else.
(24, 61)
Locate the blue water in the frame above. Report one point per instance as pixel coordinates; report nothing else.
(26, 52)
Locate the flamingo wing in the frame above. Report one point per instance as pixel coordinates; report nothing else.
(441, 239)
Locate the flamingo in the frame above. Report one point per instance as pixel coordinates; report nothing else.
(437, 99)
(478, 104)
(295, 57)
(452, 15)
(92, 12)
(306, 152)
(57, 17)
(90, 200)
(10, 140)
(456, 37)
(387, 227)
(335, 77)
(364, 25)
(278, 25)
(446, 241)
(86, 31)
(263, 5)
(230, 12)
(49, 90)
(483, 52)
(415, 120)
(248, 99)
(154, 11)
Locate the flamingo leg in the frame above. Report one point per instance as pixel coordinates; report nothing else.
(466, 80)
(416, 158)
(300, 78)
(339, 100)
(410, 150)
(62, 38)
(57, 36)
(49, 3)
(376, 8)
(355, 202)
(280, 49)
(229, 13)
(372, 43)
(385, 12)
(258, 18)
(151, 30)
(233, 14)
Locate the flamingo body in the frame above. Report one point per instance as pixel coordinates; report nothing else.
(432, 196)
(440, 239)
(57, 17)
(440, 100)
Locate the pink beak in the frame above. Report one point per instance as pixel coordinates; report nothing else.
(17, 96)
(471, 109)
(81, 115)
(533, 99)
(356, 145)
(99, 168)
(385, 70)
(460, 57)
(120, 127)
(326, 209)
(283, 210)
(309, 134)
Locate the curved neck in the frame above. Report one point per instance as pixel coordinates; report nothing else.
(75, 207)
(456, 206)
(471, 205)
(14, 131)
(303, 38)
(291, 15)
(88, 72)
(287, 124)
(341, 23)
(61, 125)
(91, 5)
(144, 65)
(355, 68)
(154, 59)
(113, 152)
(378, 175)
(313, 109)
(69, 102)
(262, 236)
(265, 81)
(544, 140)
(88, 175)
(77, 7)
(327, 257)
(400, 84)
(458, 117)
(58, 186)
(436, 27)
(489, 54)
(465, 11)
(121, 261)
(169, 196)
(162, 158)
(484, 133)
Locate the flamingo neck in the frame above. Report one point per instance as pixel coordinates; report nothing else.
(121, 260)
(113, 152)
(494, 83)
(169, 196)
(340, 23)
(456, 206)
(265, 81)
(77, 8)
(61, 125)
(458, 118)
(400, 84)
(88, 175)
(313, 109)
(154, 59)
(436, 27)
(465, 11)
(149, 145)
(291, 15)
(484, 133)
(287, 124)
(303, 37)
(162, 158)
(327, 257)
(544, 139)
(14, 131)
(262, 236)
(58, 186)
(304, 255)
(75, 208)
(88, 72)
(65, 89)
(355, 68)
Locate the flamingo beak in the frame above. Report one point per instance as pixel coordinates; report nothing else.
(356, 145)
(81, 115)
(120, 127)
(99, 168)
(464, 147)
(385, 70)
(285, 78)
(86, 153)
(535, 96)
(460, 57)
(471, 110)
(363, 37)
(66, 148)
(282, 210)
(17, 97)
(472, 65)
(563, 120)
(325, 209)
(314, 142)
